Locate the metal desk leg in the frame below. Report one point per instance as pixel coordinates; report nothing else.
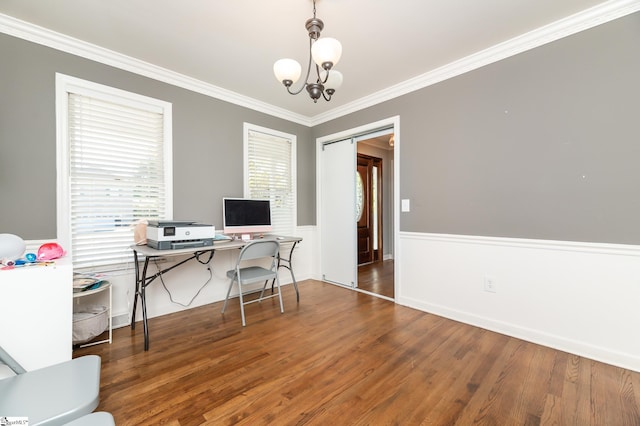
(136, 289)
(290, 268)
(142, 281)
(143, 300)
(141, 285)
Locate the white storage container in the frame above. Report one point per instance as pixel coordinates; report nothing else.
(89, 323)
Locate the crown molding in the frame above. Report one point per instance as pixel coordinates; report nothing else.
(36, 34)
(581, 21)
(573, 24)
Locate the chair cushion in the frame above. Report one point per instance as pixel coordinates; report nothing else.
(252, 274)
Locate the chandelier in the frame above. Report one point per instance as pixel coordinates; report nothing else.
(325, 52)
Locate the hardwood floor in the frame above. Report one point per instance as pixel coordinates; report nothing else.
(377, 277)
(341, 357)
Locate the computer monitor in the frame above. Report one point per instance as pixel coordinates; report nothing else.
(246, 216)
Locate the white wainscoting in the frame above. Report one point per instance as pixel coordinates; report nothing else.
(581, 298)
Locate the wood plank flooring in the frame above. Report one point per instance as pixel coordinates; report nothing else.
(377, 277)
(340, 357)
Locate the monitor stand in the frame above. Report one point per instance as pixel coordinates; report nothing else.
(249, 237)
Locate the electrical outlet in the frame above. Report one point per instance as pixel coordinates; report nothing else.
(490, 284)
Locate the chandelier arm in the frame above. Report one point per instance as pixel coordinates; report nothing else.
(318, 79)
(306, 79)
(326, 77)
(298, 91)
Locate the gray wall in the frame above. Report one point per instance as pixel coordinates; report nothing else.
(545, 144)
(207, 141)
(541, 145)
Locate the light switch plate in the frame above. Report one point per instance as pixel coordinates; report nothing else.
(406, 205)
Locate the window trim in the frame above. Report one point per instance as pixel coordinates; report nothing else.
(248, 127)
(67, 84)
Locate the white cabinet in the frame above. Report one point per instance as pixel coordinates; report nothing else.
(36, 313)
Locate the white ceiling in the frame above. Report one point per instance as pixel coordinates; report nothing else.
(233, 44)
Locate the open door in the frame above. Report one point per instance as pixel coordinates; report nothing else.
(369, 208)
(337, 212)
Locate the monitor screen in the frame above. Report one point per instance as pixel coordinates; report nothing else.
(243, 215)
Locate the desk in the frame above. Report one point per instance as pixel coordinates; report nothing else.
(143, 280)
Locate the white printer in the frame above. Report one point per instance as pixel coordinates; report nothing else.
(176, 234)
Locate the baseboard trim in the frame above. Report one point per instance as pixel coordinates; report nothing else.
(582, 349)
(119, 321)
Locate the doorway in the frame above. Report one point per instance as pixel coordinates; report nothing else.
(375, 155)
(337, 157)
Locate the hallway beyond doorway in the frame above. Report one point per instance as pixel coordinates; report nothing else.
(377, 277)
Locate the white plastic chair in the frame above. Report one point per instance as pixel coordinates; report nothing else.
(53, 395)
(99, 418)
(255, 250)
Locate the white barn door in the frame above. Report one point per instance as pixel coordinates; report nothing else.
(338, 212)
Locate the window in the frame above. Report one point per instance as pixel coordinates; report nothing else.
(114, 169)
(270, 173)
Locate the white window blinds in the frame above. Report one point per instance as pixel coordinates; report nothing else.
(116, 176)
(270, 174)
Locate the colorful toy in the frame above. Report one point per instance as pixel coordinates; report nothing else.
(50, 251)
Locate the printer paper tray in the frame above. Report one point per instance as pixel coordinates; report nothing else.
(174, 245)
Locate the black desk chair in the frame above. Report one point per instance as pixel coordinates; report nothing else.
(252, 274)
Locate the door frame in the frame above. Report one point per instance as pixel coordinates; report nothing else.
(352, 133)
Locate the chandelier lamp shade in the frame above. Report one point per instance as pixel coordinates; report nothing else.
(324, 54)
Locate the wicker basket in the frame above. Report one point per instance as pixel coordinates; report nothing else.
(89, 323)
